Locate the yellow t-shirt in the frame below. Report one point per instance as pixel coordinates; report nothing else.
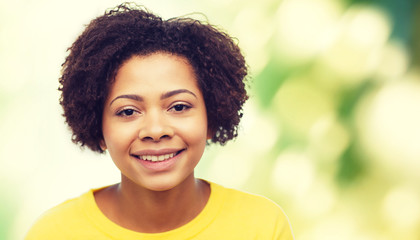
(228, 214)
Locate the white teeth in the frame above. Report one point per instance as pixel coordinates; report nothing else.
(156, 158)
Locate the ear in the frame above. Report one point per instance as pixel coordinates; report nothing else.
(209, 134)
(102, 145)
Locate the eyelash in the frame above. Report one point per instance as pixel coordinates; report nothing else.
(128, 112)
(184, 107)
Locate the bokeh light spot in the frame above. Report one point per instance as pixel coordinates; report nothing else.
(302, 25)
(389, 126)
(293, 173)
(354, 50)
(401, 207)
(300, 103)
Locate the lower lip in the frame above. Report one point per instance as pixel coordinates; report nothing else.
(160, 166)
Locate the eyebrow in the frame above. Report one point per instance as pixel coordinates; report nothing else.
(175, 92)
(166, 95)
(129, 96)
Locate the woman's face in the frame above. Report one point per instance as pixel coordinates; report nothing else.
(154, 121)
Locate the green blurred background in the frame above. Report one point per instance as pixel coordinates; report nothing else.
(331, 132)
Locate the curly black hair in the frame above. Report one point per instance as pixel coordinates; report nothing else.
(129, 30)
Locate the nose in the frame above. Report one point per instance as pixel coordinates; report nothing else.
(155, 127)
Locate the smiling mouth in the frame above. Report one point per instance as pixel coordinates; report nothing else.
(157, 158)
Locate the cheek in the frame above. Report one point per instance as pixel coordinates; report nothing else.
(118, 137)
(195, 131)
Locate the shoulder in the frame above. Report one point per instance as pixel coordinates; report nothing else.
(59, 219)
(254, 212)
(237, 199)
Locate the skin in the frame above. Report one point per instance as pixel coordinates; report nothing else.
(154, 107)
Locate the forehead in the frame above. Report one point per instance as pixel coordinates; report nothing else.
(154, 72)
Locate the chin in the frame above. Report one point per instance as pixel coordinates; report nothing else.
(167, 183)
(160, 186)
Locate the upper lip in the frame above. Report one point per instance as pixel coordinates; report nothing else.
(156, 152)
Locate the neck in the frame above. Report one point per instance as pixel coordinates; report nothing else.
(143, 210)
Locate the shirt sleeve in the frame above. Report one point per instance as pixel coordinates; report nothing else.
(283, 230)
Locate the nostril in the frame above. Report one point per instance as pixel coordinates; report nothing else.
(150, 138)
(154, 131)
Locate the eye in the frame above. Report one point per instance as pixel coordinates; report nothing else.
(126, 112)
(179, 107)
